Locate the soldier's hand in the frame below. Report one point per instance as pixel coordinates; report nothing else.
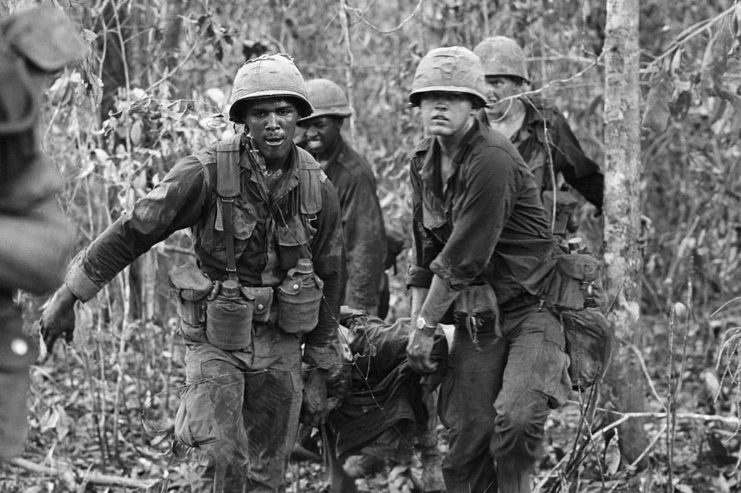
(419, 349)
(314, 407)
(58, 318)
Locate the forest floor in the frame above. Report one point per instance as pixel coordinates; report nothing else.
(71, 449)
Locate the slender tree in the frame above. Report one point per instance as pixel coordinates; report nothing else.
(622, 214)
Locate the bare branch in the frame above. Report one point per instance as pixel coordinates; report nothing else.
(90, 477)
(416, 10)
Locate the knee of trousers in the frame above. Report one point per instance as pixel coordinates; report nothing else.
(518, 435)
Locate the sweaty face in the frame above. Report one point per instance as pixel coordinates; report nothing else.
(272, 123)
(501, 87)
(321, 134)
(445, 114)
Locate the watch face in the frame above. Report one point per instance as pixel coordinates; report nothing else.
(421, 323)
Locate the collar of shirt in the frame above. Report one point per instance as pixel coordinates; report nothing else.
(276, 184)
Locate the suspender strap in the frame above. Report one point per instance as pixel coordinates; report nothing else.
(227, 188)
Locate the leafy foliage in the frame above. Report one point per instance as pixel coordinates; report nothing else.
(156, 87)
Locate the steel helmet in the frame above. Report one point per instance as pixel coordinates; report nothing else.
(449, 69)
(327, 98)
(44, 36)
(268, 76)
(502, 56)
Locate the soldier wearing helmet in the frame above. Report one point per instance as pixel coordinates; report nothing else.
(36, 237)
(352, 176)
(539, 131)
(267, 235)
(480, 236)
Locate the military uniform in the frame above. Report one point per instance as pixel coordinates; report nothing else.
(545, 136)
(488, 227)
(352, 176)
(265, 222)
(362, 225)
(242, 407)
(35, 237)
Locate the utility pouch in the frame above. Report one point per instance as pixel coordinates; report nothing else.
(588, 343)
(573, 290)
(299, 299)
(229, 317)
(574, 283)
(17, 353)
(190, 287)
(263, 301)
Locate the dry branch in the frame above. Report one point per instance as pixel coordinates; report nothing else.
(90, 477)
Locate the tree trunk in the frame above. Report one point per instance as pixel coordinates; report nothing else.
(622, 216)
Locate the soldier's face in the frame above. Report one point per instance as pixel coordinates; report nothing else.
(272, 123)
(501, 94)
(445, 113)
(322, 133)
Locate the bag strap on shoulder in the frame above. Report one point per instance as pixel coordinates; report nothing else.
(228, 188)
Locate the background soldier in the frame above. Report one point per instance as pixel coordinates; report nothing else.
(35, 238)
(263, 217)
(480, 236)
(352, 176)
(539, 131)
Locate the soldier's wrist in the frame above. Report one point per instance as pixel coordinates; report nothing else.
(425, 327)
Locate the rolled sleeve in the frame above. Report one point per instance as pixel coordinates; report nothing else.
(79, 282)
(419, 277)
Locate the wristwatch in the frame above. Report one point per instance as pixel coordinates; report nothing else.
(427, 329)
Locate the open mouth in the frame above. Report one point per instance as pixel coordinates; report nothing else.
(274, 141)
(439, 118)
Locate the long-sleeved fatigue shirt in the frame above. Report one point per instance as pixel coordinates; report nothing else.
(362, 224)
(545, 129)
(186, 198)
(485, 225)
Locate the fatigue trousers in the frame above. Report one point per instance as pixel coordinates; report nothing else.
(240, 411)
(495, 398)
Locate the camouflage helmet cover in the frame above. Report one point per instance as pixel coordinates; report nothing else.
(449, 69)
(327, 98)
(502, 56)
(268, 76)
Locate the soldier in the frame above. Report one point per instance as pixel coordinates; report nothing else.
(35, 237)
(352, 176)
(480, 238)
(268, 243)
(539, 131)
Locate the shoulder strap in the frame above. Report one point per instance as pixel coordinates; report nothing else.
(227, 188)
(311, 178)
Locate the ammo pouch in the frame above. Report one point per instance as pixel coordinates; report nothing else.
(299, 299)
(573, 290)
(190, 287)
(573, 283)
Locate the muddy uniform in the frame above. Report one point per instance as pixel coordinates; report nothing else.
(486, 225)
(242, 407)
(362, 224)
